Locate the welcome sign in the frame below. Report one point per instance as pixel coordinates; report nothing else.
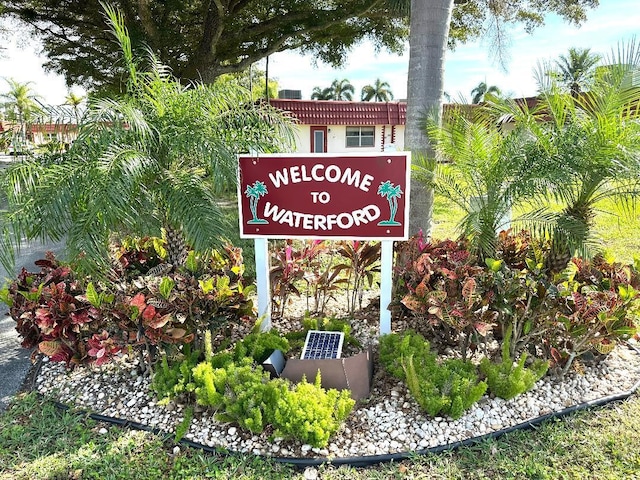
(330, 196)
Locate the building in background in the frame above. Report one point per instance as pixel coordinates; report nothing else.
(328, 126)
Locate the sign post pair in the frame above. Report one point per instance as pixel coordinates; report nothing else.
(324, 196)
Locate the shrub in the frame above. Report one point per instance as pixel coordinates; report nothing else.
(362, 262)
(311, 414)
(172, 380)
(167, 307)
(599, 304)
(259, 345)
(394, 347)
(55, 313)
(449, 388)
(441, 284)
(507, 380)
(245, 395)
(446, 389)
(238, 392)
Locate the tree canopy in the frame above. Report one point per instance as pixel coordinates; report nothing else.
(200, 40)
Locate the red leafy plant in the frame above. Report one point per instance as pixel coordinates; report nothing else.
(53, 312)
(179, 306)
(444, 287)
(599, 305)
(362, 262)
(102, 347)
(286, 271)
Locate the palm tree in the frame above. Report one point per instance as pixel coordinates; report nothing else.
(342, 90)
(380, 92)
(75, 101)
(485, 175)
(576, 70)
(21, 104)
(590, 146)
(428, 35)
(150, 162)
(479, 92)
(322, 93)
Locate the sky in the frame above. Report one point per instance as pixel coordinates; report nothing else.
(613, 21)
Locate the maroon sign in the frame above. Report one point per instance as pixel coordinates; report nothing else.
(324, 196)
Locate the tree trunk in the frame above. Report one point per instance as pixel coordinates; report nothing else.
(430, 20)
(176, 246)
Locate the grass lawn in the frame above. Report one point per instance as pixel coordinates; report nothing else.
(37, 441)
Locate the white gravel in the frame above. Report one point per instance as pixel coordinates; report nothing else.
(392, 424)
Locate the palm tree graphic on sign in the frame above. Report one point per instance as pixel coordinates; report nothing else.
(391, 193)
(254, 192)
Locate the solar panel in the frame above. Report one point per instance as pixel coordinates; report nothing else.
(319, 344)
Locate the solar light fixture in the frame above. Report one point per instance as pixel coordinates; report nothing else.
(320, 344)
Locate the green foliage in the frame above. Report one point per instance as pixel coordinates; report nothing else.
(241, 33)
(259, 345)
(245, 395)
(239, 392)
(181, 306)
(394, 347)
(173, 379)
(155, 159)
(448, 388)
(183, 426)
(599, 306)
(311, 414)
(507, 380)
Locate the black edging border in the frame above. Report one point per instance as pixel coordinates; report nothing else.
(369, 460)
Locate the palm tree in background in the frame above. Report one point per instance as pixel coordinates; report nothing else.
(75, 101)
(479, 93)
(154, 161)
(20, 104)
(576, 69)
(379, 92)
(322, 93)
(342, 89)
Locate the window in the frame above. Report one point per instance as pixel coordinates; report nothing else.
(360, 136)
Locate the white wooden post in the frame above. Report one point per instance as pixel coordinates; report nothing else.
(386, 279)
(262, 279)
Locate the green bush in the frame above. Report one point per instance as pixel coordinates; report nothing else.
(172, 380)
(446, 389)
(311, 414)
(507, 380)
(259, 345)
(394, 347)
(449, 388)
(239, 392)
(245, 395)
(256, 346)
